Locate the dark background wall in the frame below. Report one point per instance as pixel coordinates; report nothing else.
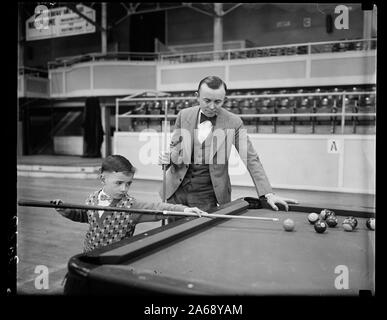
(144, 28)
(186, 26)
(37, 53)
(258, 23)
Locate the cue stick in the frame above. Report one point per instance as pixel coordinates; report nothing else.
(47, 204)
(165, 146)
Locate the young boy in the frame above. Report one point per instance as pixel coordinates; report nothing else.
(107, 227)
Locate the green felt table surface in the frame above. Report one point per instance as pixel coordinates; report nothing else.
(260, 257)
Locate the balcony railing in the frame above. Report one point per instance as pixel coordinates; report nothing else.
(115, 56)
(271, 51)
(33, 72)
(245, 53)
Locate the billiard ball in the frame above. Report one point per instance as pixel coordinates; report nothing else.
(288, 225)
(332, 221)
(348, 224)
(354, 220)
(371, 223)
(313, 217)
(320, 226)
(325, 213)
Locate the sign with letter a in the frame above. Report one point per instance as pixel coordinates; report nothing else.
(333, 146)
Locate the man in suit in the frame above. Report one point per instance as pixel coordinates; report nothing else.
(197, 174)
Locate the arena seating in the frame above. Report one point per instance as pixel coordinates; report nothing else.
(321, 100)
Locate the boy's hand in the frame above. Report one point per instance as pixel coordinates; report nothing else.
(59, 210)
(195, 210)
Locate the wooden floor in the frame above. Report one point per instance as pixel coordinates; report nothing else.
(46, 238)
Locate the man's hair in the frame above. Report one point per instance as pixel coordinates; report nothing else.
(212, 82)
(117, 163)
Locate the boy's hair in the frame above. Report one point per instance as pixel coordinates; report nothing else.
(212, 82)
(117, 163)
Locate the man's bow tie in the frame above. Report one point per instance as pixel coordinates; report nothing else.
(203, 118)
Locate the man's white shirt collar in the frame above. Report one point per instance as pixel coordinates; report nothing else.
(204, 128)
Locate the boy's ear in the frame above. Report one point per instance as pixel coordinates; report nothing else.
(196, 94)
(101, 177)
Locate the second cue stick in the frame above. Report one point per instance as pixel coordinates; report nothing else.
(165, 147)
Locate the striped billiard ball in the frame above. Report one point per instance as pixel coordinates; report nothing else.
(348, 224)
(313, 217)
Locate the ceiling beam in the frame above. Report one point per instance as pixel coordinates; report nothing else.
(189, 5)
(132, 10)
(232, 8)
(157, 9)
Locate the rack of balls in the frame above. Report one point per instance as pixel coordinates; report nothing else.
(323, 220)
(328, 218)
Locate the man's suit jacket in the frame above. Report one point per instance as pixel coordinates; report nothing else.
(228, 130)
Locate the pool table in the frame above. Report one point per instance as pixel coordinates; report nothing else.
(207, 256)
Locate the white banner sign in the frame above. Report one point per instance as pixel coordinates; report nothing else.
(58, 22)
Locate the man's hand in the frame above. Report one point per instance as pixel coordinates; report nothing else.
(272, 199)
(194, 210)
(59, 210)
(164, 158)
